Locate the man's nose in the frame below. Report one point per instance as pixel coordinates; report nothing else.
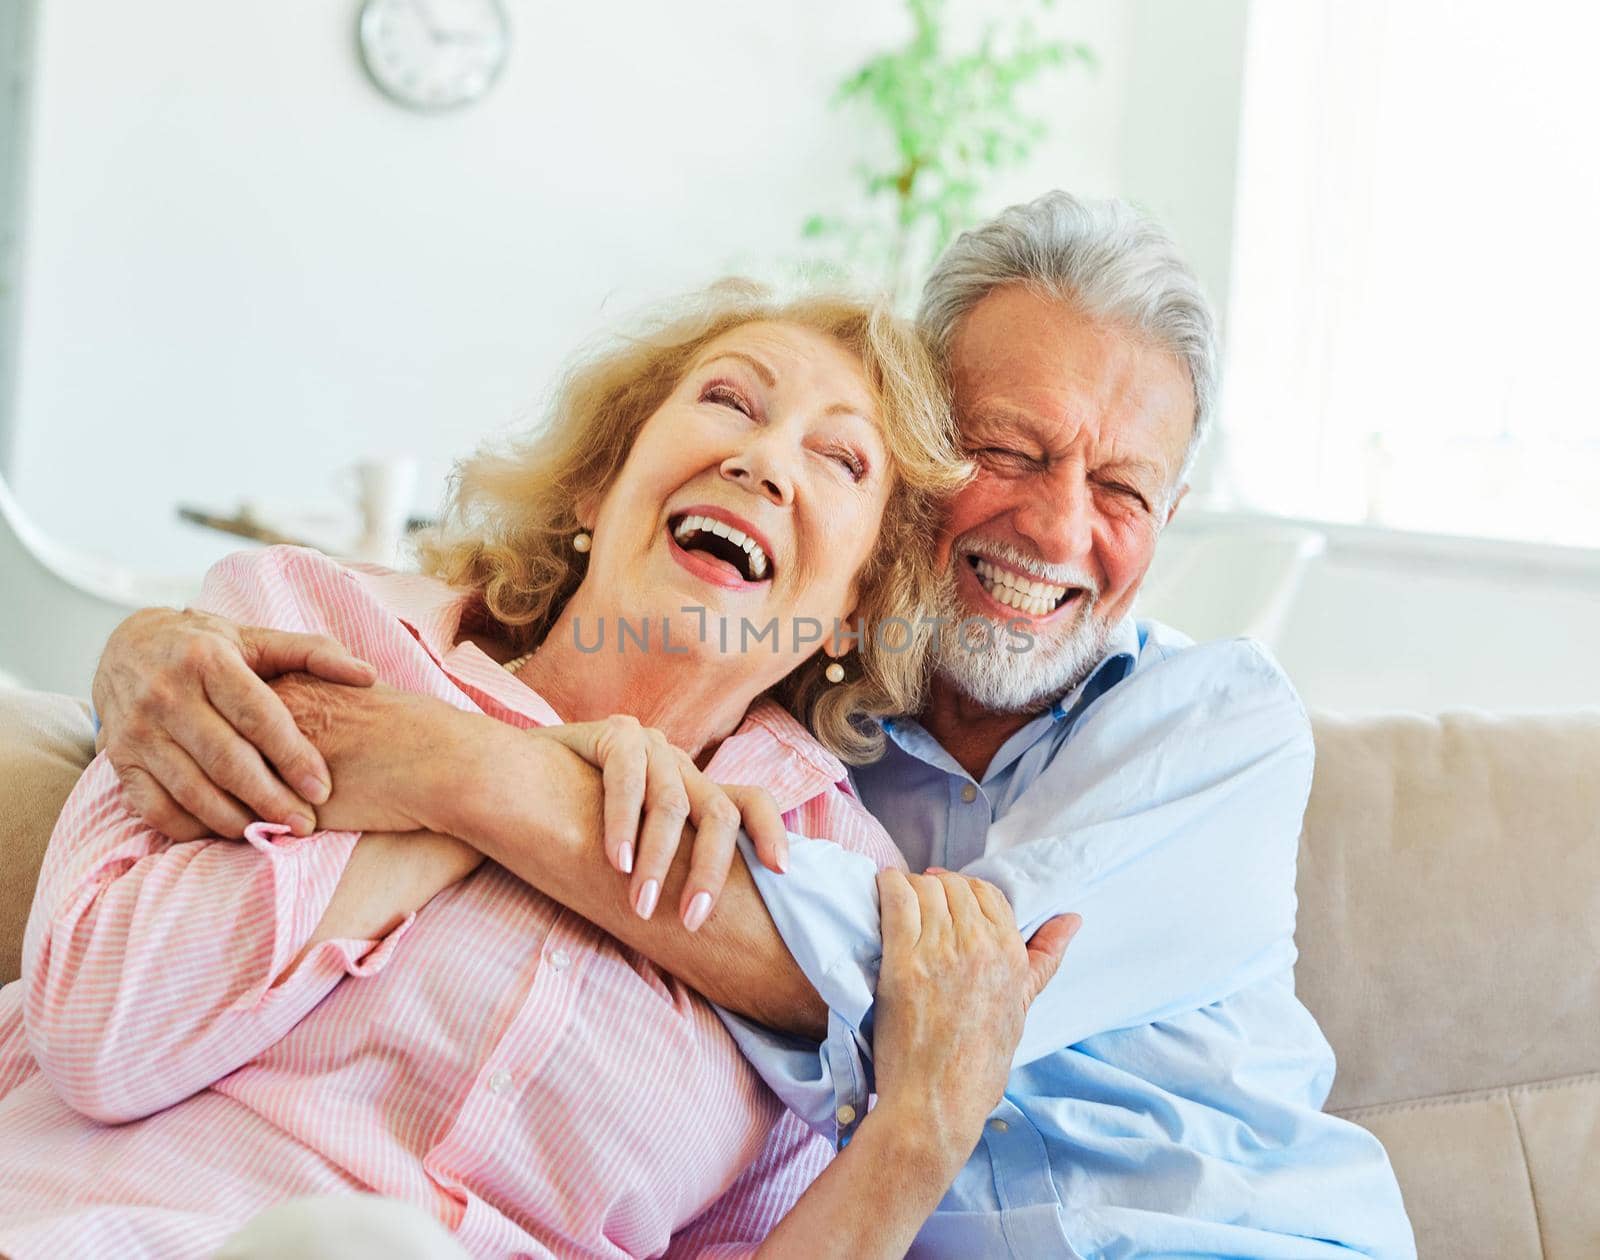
(761, 469)
(1058, 517)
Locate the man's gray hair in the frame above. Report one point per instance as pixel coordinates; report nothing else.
(1107, 259)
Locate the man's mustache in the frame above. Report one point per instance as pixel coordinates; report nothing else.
(1014, 557)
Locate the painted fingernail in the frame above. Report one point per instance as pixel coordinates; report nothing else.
(625, 858)
(698, 909)
(314, 789)
(644, 905)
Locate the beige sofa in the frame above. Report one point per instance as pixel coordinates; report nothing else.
(1449, 937)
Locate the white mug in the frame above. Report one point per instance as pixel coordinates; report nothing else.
(382, 488)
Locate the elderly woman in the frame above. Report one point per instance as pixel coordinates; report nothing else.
(375, 1007)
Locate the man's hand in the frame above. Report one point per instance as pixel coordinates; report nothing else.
(202, 745)
(397, 759)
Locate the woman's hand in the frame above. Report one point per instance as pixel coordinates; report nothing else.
(954, 987)
(651, 789)
(201, 744)
(953, 993)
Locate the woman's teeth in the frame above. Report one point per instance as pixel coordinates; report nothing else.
(757, 558)
(1014, 591)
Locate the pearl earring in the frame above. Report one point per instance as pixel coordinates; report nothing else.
(581, 542)
(834, 673)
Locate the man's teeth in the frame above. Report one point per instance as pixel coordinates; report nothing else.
(706, 525)
(1015, 591)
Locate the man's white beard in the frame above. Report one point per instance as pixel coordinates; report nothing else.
(1004, 680)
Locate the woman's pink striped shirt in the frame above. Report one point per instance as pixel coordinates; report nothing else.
(538, 1086)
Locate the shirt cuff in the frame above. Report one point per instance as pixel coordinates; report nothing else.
(305, 871)
(826, 909)
(363, 956)
(828, 1086)
(848, 1055)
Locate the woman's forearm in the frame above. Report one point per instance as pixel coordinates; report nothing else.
(390, 875)
(536, 808)
(872, 1200)
(154, 969)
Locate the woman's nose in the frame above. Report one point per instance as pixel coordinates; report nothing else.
(756, 470)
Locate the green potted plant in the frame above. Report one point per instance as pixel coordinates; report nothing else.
(953, 118)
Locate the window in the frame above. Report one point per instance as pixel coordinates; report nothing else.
(1414, 332)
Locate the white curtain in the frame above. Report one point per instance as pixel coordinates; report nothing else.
(1415, 320)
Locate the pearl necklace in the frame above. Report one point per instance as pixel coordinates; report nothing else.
(513, 666)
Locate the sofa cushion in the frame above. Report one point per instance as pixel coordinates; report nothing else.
(1560, 1127)
(1508, 1173)
(1449, 933)
(45, 742)
(1449, 890)
(1446, 1149)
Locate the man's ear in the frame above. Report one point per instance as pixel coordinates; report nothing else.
(1173, 510)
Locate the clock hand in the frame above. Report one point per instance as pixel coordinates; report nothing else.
(421, 10)
(437, 34)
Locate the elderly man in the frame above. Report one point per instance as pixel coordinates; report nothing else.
(1166, 1096)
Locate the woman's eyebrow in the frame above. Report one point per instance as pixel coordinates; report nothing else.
(772, 381)
(760, 368)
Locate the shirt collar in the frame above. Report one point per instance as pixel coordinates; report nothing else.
(1121, 654)
(429, 608)
(801, 769)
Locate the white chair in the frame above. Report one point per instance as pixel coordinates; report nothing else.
(57, 605)
(1215, 581)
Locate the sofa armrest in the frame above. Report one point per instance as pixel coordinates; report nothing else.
(45, 743)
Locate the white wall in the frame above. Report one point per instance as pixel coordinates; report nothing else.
(1384, 620)
(16, 37)
(245, 268)
(1181, 124)
(1375, 629)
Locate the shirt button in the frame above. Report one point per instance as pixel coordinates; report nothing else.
(998, 1126)
(560, 960)
(499, 1082)
(845, 1115)
(969, 794)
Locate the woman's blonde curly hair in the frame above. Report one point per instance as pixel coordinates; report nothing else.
(511, 512)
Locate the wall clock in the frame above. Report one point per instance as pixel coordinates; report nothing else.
(434, 54)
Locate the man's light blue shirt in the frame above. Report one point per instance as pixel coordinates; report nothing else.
(1166, 1096)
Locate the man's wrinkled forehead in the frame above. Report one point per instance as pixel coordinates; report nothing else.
(1026, 367)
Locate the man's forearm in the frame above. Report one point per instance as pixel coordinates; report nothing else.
(536, 809)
